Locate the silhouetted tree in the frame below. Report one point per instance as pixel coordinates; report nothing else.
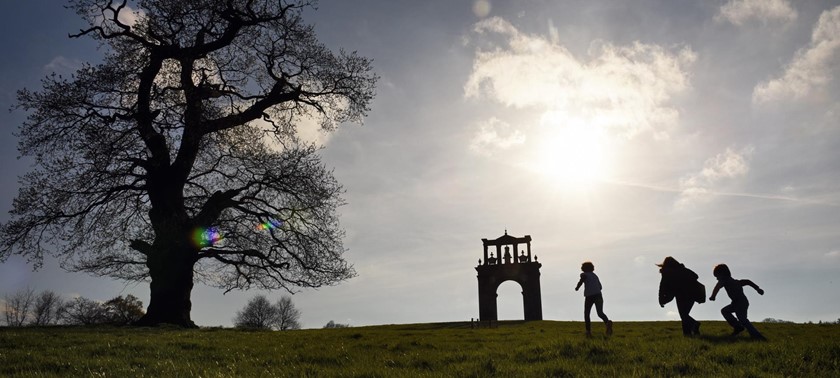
(258, 313)
(332, 324)
(46, 309)
(123, 311)
(288, 317)
(18, 306)
(160, 162)
(83, 311)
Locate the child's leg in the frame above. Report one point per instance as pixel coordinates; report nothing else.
(599, 309)
(727, 314)
(741, 313)
(587, 308)
(684, 306)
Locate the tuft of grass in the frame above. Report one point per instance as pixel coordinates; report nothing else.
(514, 349)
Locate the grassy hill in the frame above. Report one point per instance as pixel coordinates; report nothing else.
(513, 349)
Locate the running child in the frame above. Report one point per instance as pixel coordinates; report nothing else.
(592, 296)
(740, 304)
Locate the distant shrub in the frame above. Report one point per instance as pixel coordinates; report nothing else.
(772, 320)
(259, 313)
(46, 308)
(123, 311)
(83, 311)
(18, 306)
(332, 324)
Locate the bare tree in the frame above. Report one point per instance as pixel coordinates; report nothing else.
(258, 313)
(288, 317)
(18, 307)
(83, 311)
(123, 311)
(161, 162)
(46, 308)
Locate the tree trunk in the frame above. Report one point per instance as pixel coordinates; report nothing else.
(171, 286)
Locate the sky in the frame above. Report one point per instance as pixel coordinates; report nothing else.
(614, 132)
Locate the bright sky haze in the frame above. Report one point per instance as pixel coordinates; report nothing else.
(614, 132)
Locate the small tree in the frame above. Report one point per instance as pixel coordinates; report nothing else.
(46, 308)
(258, 313)
(332, 324)
(287, 315)
(18, 307)
(123, 311)
(83, 311)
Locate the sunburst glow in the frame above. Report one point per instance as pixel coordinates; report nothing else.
(572, 152)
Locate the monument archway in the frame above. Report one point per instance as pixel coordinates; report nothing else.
(508, 263)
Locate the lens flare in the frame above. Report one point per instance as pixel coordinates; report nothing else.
(270, 225)
(205, 237)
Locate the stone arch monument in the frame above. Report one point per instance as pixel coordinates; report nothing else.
(505, 265)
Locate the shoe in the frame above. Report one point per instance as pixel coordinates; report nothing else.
(737, 331)
(609, 327)
(588, 334)
(696, 330)
(759, 338)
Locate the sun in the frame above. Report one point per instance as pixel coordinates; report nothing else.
(572, 153)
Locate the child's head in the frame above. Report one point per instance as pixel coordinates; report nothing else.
(669, 262)
(587, 266)
(722, 271)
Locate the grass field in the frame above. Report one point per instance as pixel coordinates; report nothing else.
(513, 349)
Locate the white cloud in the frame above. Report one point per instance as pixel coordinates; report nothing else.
(640, 260)
(699, 187)
(811, 69)
(130, 16)
(833, 254)
(625, 89)
(62, 65)
(127, 16)
(307, 128)
(493, 135)
(740, 12)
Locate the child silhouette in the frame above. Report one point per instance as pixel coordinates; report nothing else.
(592, 295)
(740, 304)
(680, 283)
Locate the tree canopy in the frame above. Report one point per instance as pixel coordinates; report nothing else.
(177, 158)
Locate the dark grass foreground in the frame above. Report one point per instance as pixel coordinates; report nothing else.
(514, 349)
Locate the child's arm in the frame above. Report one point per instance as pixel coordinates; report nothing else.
(753, 285)
(715, 291)
(579, 282)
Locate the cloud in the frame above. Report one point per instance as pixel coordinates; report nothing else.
(130, 16)
(640, 261)
(699, 187)
(127, 16)
(833, 254)
(740, 12)
(494, 134)
(625, 89)
(306, 127)
(812, 67)
(63, 66)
